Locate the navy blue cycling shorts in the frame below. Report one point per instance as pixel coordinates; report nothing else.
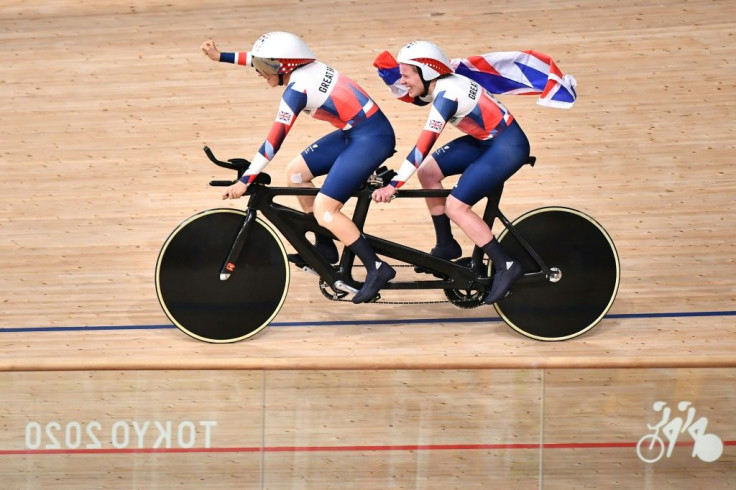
(349, 157)
(484, 165)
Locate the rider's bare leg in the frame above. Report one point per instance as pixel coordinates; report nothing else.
(430, 176)
(328, 213)
(507, 270)
(473, 225)
(299, 175)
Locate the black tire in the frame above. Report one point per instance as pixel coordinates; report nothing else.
(188, 282)
(582, 250)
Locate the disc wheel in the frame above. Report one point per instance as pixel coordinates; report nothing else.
(583, 253)
(188, 281)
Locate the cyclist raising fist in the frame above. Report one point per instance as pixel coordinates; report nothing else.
(347, 156)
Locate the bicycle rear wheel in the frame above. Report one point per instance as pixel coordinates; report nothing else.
(188, 282)
(586, 257)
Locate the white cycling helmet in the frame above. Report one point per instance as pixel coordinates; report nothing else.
(279, 53)
(426, 56)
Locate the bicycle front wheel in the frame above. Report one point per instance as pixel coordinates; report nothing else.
(579, 248)
(188, 281)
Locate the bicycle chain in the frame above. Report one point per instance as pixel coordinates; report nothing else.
(381, 302)
(332, 297)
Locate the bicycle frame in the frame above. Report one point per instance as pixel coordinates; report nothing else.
(294, 224)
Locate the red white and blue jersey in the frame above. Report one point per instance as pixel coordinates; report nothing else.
(466, 105)
(324, 93)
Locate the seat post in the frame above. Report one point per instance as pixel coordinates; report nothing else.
(491, 211)
(361, 207)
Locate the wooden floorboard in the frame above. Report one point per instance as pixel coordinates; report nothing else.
(105, 108)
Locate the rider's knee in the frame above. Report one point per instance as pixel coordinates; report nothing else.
(297, 172)
(429, 173)
(324, 213)
(455, 208)
(423, 177)
(295, 177)
(325, 217)
(451, 213)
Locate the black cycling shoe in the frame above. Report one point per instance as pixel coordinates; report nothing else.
(297, 260)
(327, 249)
(502, 281)
(448, 252)
(374, 281)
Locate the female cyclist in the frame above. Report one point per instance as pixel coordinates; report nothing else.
(493, 149)
(348, 156)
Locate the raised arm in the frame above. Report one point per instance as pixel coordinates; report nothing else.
(238, 58)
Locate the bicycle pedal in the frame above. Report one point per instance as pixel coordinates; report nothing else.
(422, 270)
(341, 286)
(300, 264)
(375, 299)
(296, 259)
(309, 270)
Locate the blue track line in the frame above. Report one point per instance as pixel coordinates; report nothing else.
(364, 322)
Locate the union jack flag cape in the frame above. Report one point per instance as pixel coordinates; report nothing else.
(507, 72)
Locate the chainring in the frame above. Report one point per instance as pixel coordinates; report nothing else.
(465, 298)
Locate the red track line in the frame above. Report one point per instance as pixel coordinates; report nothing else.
(401, 447)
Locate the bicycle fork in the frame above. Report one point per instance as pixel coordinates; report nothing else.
(237, 247)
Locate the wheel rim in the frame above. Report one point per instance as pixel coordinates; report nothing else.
(189, 287)
(590, 273)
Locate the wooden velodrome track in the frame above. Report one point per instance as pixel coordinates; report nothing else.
(106, 106)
